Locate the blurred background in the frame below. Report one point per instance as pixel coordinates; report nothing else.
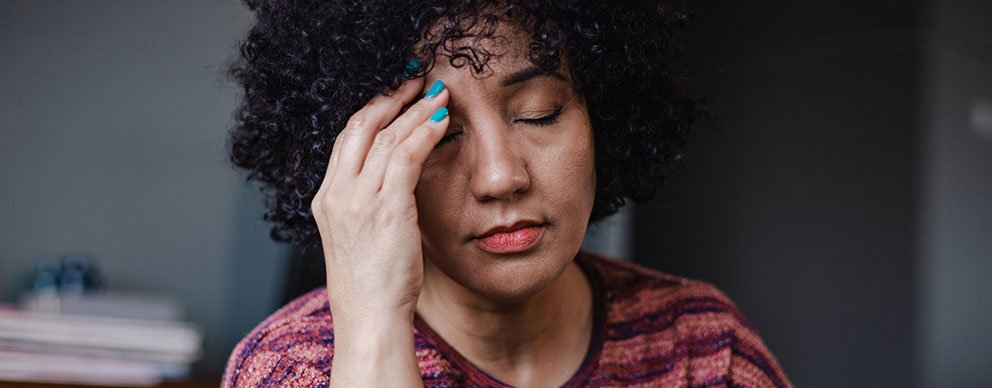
(841, 194)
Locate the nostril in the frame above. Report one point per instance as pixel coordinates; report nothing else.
(498, 162)
(502, 180)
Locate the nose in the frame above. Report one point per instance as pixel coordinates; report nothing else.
(498, 170)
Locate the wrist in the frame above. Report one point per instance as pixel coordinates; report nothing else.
(369, 314)
(379, 354)
(372, 333)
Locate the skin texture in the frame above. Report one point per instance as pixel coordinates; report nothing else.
(514, 315)
(499, 169)
(403, 241)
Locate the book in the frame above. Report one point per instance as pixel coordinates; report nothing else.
(94, 350)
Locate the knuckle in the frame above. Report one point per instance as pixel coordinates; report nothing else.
(329, 201)
(356, 123)
(417, 110)
(400, 210)
(409, 214)
(404, 156)
(377, 99)
(338, 138)
(318, 206)
(385, 139)
(383, 216)
(354, 209)
(325, 202)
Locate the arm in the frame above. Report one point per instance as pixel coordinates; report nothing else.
(376, 355)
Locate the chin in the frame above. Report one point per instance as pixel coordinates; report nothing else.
(509, 278)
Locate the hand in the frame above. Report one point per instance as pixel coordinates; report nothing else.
(366, 212)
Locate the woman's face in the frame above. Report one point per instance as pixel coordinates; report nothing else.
(519, 148)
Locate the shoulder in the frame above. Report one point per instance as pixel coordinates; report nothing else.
(668, 316)
(635, 290)
(293, 346)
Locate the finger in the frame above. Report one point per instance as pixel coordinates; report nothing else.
(403, 171)
(364, 124)
(403, 93)
(370, 179)
(331, 163)
(439, 97)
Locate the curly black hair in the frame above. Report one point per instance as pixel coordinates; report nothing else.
(307, 65)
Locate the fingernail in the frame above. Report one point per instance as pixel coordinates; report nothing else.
(439, 115)
(435, 89)
(411, 67)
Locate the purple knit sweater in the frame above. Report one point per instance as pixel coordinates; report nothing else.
(649, 329)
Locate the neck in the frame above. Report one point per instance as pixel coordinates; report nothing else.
(538, 341)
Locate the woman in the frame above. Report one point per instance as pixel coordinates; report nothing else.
(448, 157)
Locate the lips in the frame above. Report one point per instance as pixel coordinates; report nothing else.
(518, 237)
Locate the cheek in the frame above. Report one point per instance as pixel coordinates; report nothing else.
(438, 204)
(568, 169)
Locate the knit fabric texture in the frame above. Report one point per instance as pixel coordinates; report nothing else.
(650, 329)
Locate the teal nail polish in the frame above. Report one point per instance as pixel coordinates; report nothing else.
(411, 67)
(439, 115)
(435, 89)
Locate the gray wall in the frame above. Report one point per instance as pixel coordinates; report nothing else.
(838, 195)
(113, 116)
(956, 206)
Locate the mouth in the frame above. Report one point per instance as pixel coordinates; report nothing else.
(518, 237)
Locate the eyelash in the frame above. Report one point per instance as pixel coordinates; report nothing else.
(543, 121)
(540, 122)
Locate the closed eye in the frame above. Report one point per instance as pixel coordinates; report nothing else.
(446, 139)
(542, 121)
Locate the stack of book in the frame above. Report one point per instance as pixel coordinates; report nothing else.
(134, 341)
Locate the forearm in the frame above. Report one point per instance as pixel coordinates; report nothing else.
(379, 354)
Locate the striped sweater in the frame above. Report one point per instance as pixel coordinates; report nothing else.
(649, 329)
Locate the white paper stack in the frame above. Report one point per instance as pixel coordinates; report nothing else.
(106, 304)
(100, 350)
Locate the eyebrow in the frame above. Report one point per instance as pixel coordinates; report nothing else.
(528, 73)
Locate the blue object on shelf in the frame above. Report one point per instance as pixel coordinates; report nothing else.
(69, 274)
